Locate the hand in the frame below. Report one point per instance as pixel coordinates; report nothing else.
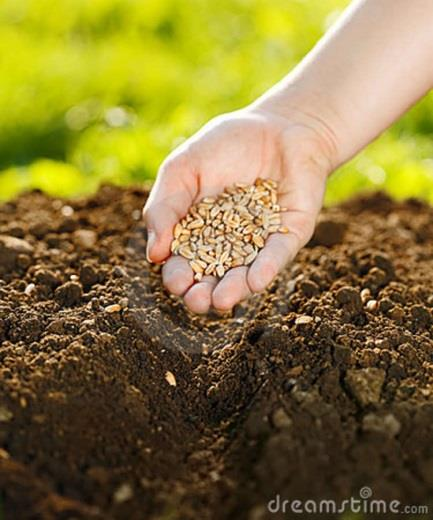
(239, 147)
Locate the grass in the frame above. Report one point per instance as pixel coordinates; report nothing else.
(101, 91)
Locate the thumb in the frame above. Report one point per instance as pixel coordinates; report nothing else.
(169, 200)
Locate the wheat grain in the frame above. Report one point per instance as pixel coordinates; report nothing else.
(227, 231)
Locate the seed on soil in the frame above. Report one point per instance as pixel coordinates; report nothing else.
(371, 305)
(304, 320)
(229, 230)
(169, 377)
(365, 295)
(113, 308)
(29, 289)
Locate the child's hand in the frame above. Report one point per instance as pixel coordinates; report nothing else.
(240, 147)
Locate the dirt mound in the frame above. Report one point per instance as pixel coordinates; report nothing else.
(115, 402)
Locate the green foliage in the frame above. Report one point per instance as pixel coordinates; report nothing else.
(103, 90)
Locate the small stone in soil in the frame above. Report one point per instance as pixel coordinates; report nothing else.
(123, 493)
(85, 238)
(304, 320)
(67, 211)
(349, 298)
(386, 424)
(281, 420)
(47, 278)
(365, 384)
(11, 248)
(5, 414)
(329, 232)
(68, 294)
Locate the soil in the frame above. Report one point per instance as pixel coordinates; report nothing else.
(117, 403)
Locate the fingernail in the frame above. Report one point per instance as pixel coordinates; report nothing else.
(151, 238)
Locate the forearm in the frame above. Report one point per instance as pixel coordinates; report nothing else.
(369, 69)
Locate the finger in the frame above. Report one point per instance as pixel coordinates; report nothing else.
(177, 275)
(232, 289)
(169, 200)
(303, 200)
(199, 297)
(278, 251)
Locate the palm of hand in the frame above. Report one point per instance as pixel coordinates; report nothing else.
(236, 148)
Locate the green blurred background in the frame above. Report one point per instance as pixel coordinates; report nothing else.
(101, 90)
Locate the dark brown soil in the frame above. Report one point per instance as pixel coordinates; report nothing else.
(302, 392)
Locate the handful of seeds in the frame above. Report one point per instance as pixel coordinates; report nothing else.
(228, 231)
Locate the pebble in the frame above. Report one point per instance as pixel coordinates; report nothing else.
(67, 211)
(39, 229)
(376, 278)
(85, 238)
(69, 294)
(136, 214)
(421, 315)
(366, 384)
(15, 245)
(88, 275)
(291, 286)
(281, 420)
(5, 414)
(46, 277)
(329, 232)
(124, 302)
(309, 288)
(119, 271)
(23, 261)
(385, 305)
(349, 298)
(123, 493)
(11, 248)
(397, 314)
(386, 424)
(88, 323)
(304, 320)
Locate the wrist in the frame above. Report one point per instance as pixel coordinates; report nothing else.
(296, 105)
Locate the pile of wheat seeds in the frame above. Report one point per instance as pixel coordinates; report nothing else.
(229, 230)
